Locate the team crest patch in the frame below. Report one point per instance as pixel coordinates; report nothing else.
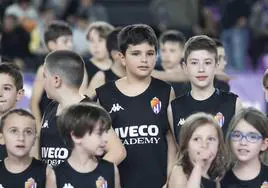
(156, 105)
(101, 183)
(30, 183)
(220, 119)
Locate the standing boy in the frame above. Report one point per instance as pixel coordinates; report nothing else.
(138, 106)
(63, 76)
(200, 55)
(84, 128)
(57, 36)
(11, 91)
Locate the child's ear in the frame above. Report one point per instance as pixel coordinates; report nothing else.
(184, 66)
(123, 59)
(264, 144)
(20, 94)
(57, 81)
(75, 139)
(51, 45)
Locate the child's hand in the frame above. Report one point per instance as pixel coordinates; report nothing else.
(30, 183)
(202, 157)
(264, 185)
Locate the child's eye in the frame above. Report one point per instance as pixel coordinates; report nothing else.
(13, 131)
(197, 139)
(29, 132)
(151, 53)
(135, 53)
(7, 88)
(208, 62)
(212, 139)
(193, 62)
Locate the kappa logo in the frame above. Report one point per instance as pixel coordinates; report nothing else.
(116, 108)
(1, 186)
(101, 183)
(156, 105)
(68, 185)
(45, 124)
(181, 122)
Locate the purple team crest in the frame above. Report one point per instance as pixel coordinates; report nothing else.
(156, 105)
(219, 118)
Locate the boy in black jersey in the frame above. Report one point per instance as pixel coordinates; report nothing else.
(18, 169)
(171, 44)
(57, 36)
(200, 55)
(84, 128)
(138, 106)
(117, 70)
(97, 33)
(11, 91)
(63, 75)
(221, 79)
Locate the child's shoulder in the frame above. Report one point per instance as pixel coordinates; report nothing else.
(181, 99)
(160, 82)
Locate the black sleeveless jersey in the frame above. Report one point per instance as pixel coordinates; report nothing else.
(141, 123)
(110, 76)
(91, 69)
(36, 171)
(221, 104)
(231, 181)
(101, 177)
(221, 85)
(53, 151)
(44, 102)
(207, 183)
(3, 152)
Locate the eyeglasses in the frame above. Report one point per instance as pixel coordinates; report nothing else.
(250, 137)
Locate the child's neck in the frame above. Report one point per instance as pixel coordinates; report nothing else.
(247, 170)
(131, 86)
(103, 64)
(82, 162)
(17, 164)
(67, 98)
(202, 94)
(118, 69)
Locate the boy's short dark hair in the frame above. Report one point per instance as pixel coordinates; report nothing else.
(13, 71)
(200, 42)
(218, 42)
(136, 34)
(111, 42)
(67, 64)
(55, 30)
(80, 119)
(172, 36)
(103, 28)
(265, 79)
(20, 112)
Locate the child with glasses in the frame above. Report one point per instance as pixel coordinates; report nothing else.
(247, 139)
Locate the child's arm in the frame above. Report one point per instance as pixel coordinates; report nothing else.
(50, 178)
(238, 105)
(96, 81)
(37, 94)
(177, 178)
(84, 85)
(116, 177)
(171, 141)
(115, 151)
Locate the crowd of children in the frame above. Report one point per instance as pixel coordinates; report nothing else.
(115, 121)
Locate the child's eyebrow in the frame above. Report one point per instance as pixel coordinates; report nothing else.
(10, 85)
